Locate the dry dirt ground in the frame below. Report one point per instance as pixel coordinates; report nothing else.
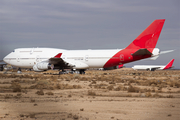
(122, 94)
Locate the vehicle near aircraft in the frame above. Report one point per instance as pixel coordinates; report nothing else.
(154, 67)
(2, 65)
(41, 59)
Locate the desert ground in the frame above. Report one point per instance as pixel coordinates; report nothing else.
(122, 94)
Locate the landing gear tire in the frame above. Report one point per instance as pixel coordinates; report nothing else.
(19, 71)
(82, 71)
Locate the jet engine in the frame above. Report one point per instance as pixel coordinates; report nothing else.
(42, 66)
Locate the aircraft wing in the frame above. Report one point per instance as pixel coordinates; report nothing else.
(68, 64)
(60, 62)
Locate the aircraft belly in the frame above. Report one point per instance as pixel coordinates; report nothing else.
(97, 63)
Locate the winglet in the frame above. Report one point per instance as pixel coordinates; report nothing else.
(149, 37)
(58, 55)
(169, 65)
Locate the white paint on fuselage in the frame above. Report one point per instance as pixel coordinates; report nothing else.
(28, 57)
(93, 58)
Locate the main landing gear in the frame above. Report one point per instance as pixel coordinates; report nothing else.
(81, 71)
(19, 71)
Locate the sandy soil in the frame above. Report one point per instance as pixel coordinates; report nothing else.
(122, 94)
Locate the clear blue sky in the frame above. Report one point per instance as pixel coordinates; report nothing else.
(88, 24)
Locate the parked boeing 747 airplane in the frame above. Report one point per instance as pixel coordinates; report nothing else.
(154, 67)
(41, 59)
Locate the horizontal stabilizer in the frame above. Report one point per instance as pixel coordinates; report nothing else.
(163, 52)
(153, 58)
(142, 52)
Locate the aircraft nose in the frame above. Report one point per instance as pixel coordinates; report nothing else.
(5, 59)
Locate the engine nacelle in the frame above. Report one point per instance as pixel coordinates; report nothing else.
(42, 66)
(155, 52)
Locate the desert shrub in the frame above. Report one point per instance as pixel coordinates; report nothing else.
(16, 87)
(110, 87)
(32, 100)
(54, 79)
(100, 86)
(92, 93)
(169, 96)
(76, 76)
(42, 84)
(77, 86)
(67, 86)
(69, 95)
(177, 84)
(118, 88)
(7, 96)
(157, 95)
(148, 94)
(32, 115)
(40, 92)
(93, 82)
(153, 90)
(50, 93)
(131, 81)
(75, 117)
(170, 83)
(128, 95)
(133, 89)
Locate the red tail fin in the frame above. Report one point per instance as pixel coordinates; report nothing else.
(149, 37)
(169, 65)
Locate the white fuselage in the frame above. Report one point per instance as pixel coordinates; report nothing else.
(148, 67)
(28, 57)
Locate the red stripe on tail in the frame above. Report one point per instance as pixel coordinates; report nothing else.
(169, 65)
(149, 37)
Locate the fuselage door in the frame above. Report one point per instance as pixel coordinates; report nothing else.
(32, 50)
(86, 58)
(38, 58)
(18, 58)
